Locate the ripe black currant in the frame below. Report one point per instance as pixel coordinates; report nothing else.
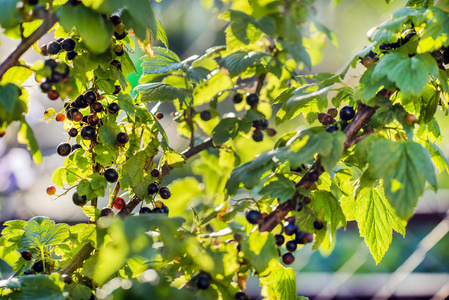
(408, 37)
(117, 90)
(253, 217)
(159, 115)
(290, 229)
(56, 77)
(237, 98)
(257, 135)
(114, 108)
(252, 100)
(68, 44)
(164, 192)
(73, 132)
(203, 281)
(288, 258)
(157, 210)
(331, 128)
(71, 55)
(279, 239)
(46, 86)
(117, 64)
(64, 149)
(122, 138)
(76, 146)
(106, 211)
(80, 102)
(165, 209)
(205, 115)
(90, 97)
(120, 36)
(93, 119)
(51, 63)
(79, 200)
(299, 238)
(97, 107)
(44, 50)
(271, 132)
(446, 55)
(54, 47)
(153, 188)
(438, 57)
(291, 246)
(263, 123)
(115, 20)
(241, 296)
(111, 175)
(145, 210)
(27, 255)
(155, 173)
(308, 237)
(318, 225)
(347, 113)
(327, 119)
(38, 267)
(88, 133)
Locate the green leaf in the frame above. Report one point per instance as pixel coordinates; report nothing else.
(43, 287)
(106, 155)
(279, 284)
(16, 75)
(164, 62)
(207, 90)
(329, 210)
(239, 61)
(328, 161)
(26, 136)
(229, 128)
(41, 231)
(410, 74)
(9, 14)
(126, 102)
(243, 32)
(375, 218)
(260, 249)
(280, 187)
(91, 212)
(78, 291)
(435, 32)
(404, 167)
(84, 19)
(9, 96)
(158, 91)
(298, 51)
(94, 188)
(173, 158)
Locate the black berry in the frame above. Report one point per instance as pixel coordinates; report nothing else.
(299, 238)
(291, 246)
(237, 98)
(333, 112)
(27, 255)
(331, 128)
(145, 210)
(159, 115)
(271, 131)
(53, 47)
(253, 216)
(290, 229)
(79, 200)
(76, 146)
(327, 119)
(117, 90)
(122, 138)
(71, 112)
(115, 20)
(157, 210)
(71, 55)
(111, 175)
(68, 44)
(153, 188)
(114, 108)
(164, 192)
(90, 97)
(318, 225)
(117, 64)
(38, 267)
(165, 209)
(106, 211)
(64, 149)
(46, 86)
(93, 119)
(257, 135)
(241, 296)
(205, 115)
(263, 123)
(446, 55)
(288, 258)
(408, 37)
(155, 173)
(73, 132)
(347, 113)
(279, 239)
(51, 63)
(252, 100)
(88, 133)
(97, 107)
(120, 36)
(203, 281)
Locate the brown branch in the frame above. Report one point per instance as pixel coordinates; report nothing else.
(77, 260)
(25, 44)
(362, 117)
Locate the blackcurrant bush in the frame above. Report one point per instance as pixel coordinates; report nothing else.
(68, 44)
(257, 135)
(254, 217)
(145, 210)
(288, 258)
(347, 113)
(79, 200)
(237, 98)
(155, 173)
(71, 55)
(122, 138)
(164, 192)
(73, 132)
(241, 296)
(111, 175)
(205, 115)
(290, 229)
(90, 97)
(54, 47)
(88, 133)
(119, 202)
(153, 188)
(64, 149)
(318, 225)
(46, 86)
(279, 239)
(291, 246)
(114, 108)
(27, 255)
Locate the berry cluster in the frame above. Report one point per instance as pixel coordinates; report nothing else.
(58, 45)
(58, 77)
(119, 29)
(347, 113)
(159, 208)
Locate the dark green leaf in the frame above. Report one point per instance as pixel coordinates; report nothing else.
(279, 284)
(26, 136)
(41, 231)
(229, 128)
(164, 62)
(280, 187)
(239, 61)
(158, 91)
